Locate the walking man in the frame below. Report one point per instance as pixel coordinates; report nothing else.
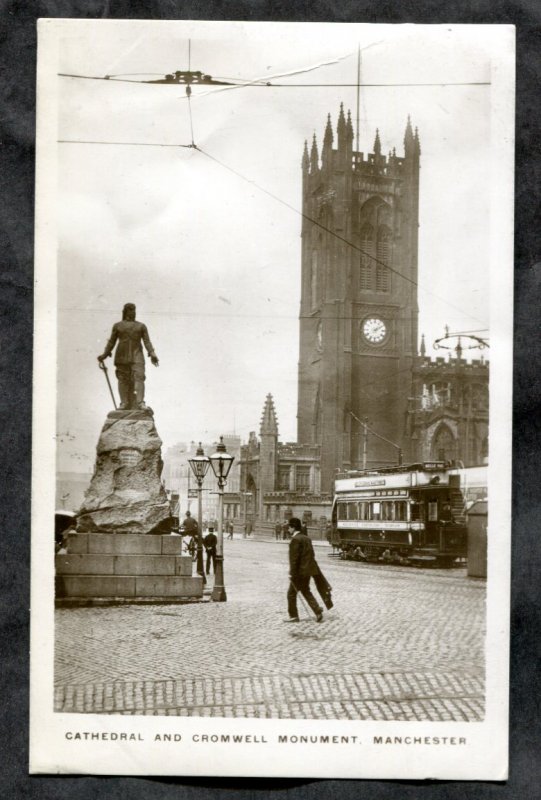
(302, 566)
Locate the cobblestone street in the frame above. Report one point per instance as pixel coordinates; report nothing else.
(399, 644)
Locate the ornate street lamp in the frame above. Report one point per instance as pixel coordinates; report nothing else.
(199, 464)
(221, 463)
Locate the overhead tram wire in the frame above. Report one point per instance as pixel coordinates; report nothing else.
(260, 83)
(333, 233)
(208, 80)
(376, 260)
(127, 144)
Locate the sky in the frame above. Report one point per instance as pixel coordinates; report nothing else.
(212, 261)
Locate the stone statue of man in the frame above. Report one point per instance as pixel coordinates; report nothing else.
(129, 358)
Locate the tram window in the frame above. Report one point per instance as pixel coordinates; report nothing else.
(416, 512)
(433, 511)
(376, 510)
(352, 511)
(401, 513)
(342, 511)
(387, 510)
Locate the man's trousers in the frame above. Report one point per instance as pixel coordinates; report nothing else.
(301, 583)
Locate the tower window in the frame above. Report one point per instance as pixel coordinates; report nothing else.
(384, 257)
(313, 279)
(367, 258)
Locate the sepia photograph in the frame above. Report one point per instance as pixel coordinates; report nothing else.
(272, 399)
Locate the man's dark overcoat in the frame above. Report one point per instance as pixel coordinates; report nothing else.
(302, 560)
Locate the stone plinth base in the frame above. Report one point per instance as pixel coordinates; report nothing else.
(117, 567)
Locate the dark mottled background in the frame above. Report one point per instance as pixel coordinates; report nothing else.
(17, 87)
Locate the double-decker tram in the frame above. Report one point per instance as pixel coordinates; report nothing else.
(411, 514)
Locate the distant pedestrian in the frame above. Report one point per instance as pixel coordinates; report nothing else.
(278, 531)
(230, 528)
(210, 541)
(302, 567)
(285, 531)
(189, 526)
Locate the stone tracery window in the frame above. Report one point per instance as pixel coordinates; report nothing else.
(376, 241)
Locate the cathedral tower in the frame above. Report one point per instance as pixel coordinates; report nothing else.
(359, 312)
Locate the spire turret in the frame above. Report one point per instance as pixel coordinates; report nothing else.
(416, 143)
(314, 156)
(341, 128)
(269, 422)
(408, 138)
(377, 144)
(423, 346)
(328, 137)
(349, 128)
(326, 150)
(305, 158)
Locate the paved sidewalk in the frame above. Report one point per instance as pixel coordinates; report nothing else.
(400, 644)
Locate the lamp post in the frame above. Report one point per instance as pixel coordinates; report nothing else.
(221, 463)
(199, 465)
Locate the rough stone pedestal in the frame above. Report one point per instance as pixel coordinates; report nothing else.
(123, 551)
(126, 494)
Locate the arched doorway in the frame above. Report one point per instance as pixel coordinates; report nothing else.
(443, 444)
(250, 500)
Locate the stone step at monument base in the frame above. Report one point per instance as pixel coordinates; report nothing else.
(124, 568)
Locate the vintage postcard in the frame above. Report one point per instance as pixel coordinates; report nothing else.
(272, 399)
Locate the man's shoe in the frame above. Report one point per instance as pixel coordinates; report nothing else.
(292, 619)
(319, 616)
(328, 602)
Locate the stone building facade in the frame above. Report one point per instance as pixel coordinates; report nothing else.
(280, 479)
(449, 407)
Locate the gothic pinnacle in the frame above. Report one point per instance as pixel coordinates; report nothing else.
(416, 142)
(341, 126)
(349, 127)
(305, 157)
(314, 157)
(377, 144)
(408, 137)
(328, 137)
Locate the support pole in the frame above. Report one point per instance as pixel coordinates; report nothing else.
(218, 592)
(200, 568)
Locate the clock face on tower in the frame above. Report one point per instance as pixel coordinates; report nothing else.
(374, 330)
